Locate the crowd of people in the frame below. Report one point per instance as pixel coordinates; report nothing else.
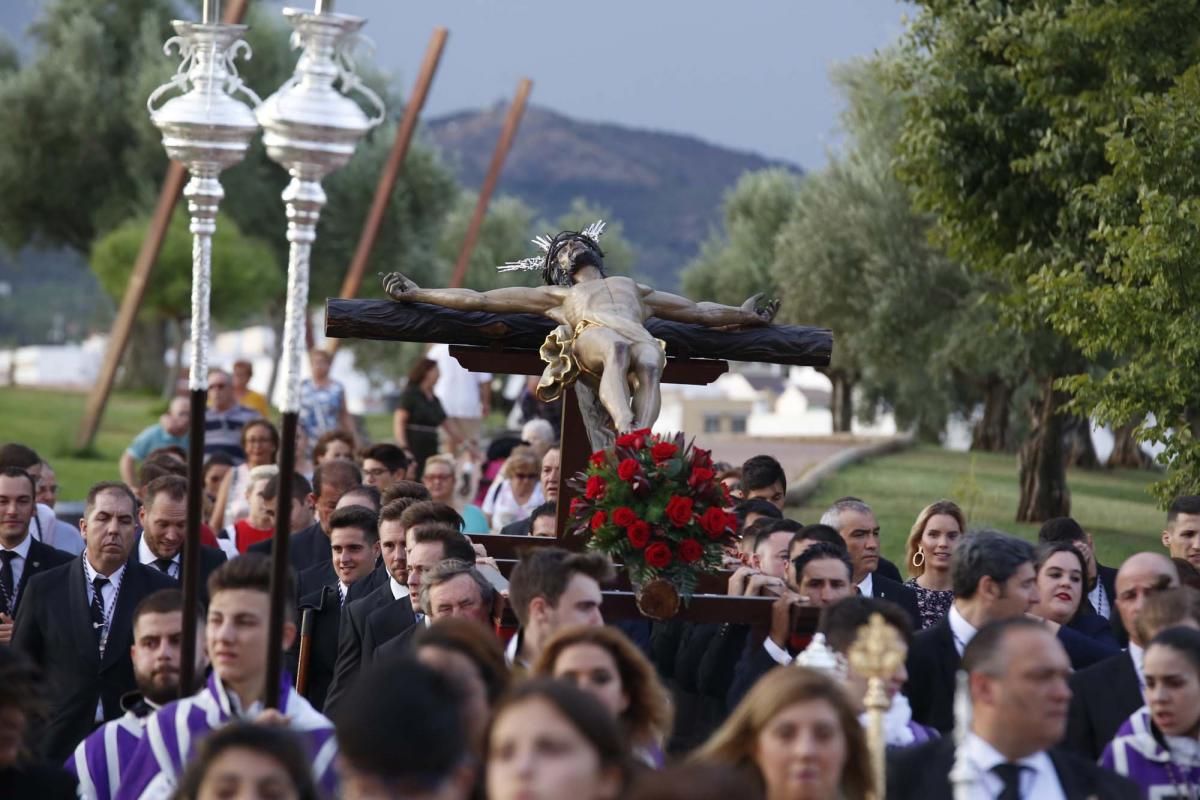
(404, 676)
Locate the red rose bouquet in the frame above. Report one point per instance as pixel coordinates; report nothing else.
(653, 503)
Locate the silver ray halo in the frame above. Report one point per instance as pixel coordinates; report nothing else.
(543, 242)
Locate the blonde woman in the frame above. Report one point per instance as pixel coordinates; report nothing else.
(930, 551)
(795, 716)
(521, 491)
(603, 662)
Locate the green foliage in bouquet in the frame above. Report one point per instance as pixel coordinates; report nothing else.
(654, 503)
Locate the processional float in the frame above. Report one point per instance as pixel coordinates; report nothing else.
(310, 128)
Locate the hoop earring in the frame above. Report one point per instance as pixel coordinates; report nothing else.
(918, 559)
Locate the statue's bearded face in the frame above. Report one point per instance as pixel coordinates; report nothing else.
(574, 253)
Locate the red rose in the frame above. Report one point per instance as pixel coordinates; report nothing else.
(663, 451)
(639, 533)
(576, 504)
(598, 520)
(701, 458)
(700, 476)
(633, 440)
(624, 516)
(598, 458)
(627, 469)
(595, 487)
(714, 522)
(658, 555)
(679, 510)
(690, 550)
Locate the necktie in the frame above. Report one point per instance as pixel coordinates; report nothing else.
(1010, 774)
(8, 584)
(98, 618)
(341, 595)
(163, 564)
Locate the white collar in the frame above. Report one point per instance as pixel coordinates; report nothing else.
(399, 590)
(1137, 654)
(90, 572)
(962, 630)
(146, 555)
(510, 650)
(983, 757)
(22, 550)
(867, 586)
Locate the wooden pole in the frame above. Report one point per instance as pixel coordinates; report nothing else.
(507, 134)
(280, 565)
(139, 279)
(391, 170)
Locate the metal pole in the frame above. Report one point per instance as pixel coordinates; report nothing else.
(139, 279)
(507, 134)
(391, 170)
(190, 579)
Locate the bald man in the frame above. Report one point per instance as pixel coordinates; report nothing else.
(1105, 694)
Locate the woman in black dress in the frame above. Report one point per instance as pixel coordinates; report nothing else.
(416, 421)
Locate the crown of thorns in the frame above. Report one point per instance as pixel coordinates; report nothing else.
(548, 246)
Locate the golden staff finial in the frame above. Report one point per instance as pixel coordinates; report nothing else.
(876, 654)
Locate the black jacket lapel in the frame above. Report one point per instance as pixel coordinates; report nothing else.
(120, 627)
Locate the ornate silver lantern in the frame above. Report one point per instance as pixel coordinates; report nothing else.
(310, 128)
(207, 129)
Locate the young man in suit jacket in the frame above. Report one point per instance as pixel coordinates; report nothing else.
(310, 546)
(1105, 694)
(1019, 697)
(993, 580)
(76, 621)
(164, 526)
(354, 539)
(855, 522)
(21, 556)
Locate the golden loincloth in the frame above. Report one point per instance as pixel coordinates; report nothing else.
(562, 367)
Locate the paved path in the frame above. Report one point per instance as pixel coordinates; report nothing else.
(796, 455)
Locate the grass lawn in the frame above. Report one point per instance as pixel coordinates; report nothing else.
(1115, 507)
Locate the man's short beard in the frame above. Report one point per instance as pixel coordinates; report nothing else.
(157, 693)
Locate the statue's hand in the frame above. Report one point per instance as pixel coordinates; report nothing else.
(764, 312)
(397, 286)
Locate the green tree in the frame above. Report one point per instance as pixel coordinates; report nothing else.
(1136, 302)
(1006, 116)
(243, 271)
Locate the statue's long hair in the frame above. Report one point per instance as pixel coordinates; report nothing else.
(555, 275)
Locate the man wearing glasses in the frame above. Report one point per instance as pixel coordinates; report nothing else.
(225, 418)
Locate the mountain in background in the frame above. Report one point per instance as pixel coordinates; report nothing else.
(666, 189)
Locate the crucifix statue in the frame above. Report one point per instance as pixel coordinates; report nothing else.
(601, 344)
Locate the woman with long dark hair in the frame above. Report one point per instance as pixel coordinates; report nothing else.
(1158, 747)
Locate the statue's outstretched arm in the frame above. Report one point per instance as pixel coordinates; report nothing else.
(713, 315)
(515, 299)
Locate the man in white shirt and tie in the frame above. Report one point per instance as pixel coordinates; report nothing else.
(21, 556)
(1017, 672)
(163, 518)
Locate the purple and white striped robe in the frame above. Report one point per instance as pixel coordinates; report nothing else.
(173, 733)
(101, 759)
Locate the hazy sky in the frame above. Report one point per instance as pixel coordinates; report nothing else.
(752, 75)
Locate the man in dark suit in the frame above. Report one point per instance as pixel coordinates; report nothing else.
(453, 589)
(1019, 697)
(164, 526)
(1105, 694)
(309, 546)
(76, 621)
(993, 580)
(389, 610)
(822, 577)
(21, 556)
(354, 539)
(855, 521)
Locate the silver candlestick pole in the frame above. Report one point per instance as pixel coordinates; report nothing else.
(311, 129)
(207, 129)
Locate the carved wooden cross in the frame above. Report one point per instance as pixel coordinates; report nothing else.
(508, 344)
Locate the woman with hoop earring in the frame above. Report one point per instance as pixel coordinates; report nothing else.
(930, 551)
